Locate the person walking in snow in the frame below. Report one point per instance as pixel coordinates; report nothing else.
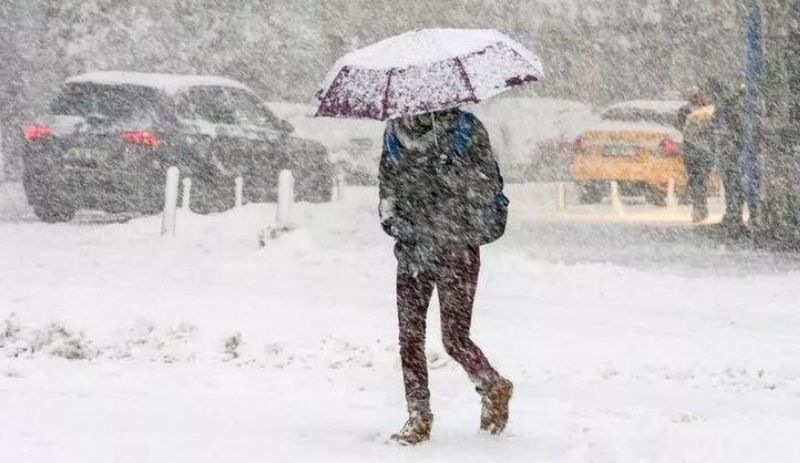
(698, 139)
(441, 199)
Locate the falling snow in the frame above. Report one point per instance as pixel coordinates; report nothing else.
(168, 292)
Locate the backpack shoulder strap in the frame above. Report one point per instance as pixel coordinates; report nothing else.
(461, 139)
(463, 134)
(392, 144)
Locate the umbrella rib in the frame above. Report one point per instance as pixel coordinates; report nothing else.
(467, 80)
(327, 92)
(386, 94)
(535, 77)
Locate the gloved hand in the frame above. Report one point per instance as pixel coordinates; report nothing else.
(420, 256)
(399, 229)
(393, 224)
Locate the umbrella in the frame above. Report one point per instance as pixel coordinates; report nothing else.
(425, 71)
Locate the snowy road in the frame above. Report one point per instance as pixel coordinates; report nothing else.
(627, 341)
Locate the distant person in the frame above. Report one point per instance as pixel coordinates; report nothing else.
(698, 140)
(441, 199)
(694, 96)
(729, 137)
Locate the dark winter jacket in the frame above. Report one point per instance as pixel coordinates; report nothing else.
(430, 195)
(729, 128)
(699, 130)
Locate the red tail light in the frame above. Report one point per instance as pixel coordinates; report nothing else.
(35, 132)
(581, 145)
(669, 148)
(141, 138)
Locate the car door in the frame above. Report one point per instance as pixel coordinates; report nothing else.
(269, 132)
(267, 153)
(207, 114)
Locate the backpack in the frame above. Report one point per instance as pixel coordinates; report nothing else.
(491, 219)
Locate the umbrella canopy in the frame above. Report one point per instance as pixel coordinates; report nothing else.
(424, 71)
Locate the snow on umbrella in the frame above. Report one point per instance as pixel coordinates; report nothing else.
(424, 71)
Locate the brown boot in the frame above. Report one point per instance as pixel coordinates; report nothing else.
(494, 406)
(416, 430)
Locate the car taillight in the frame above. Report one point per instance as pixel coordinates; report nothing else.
(35, 132)
(141, 138)
(581, 145)
(669, 148)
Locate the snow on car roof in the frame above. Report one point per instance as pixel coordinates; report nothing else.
(536, 118)
(661, 106)
(169, 83)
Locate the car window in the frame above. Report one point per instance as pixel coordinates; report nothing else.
(116, 102)
(250, 110)
(210, 104)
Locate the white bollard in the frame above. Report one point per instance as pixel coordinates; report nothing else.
(672, 198)
(561, 199)
(170, 202)
(285, 197)
(341, 182)
(283, 219)
(723, 197)
(186, 199)
(616, 199)
(239, 191)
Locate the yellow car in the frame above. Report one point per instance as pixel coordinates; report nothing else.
(637, 145)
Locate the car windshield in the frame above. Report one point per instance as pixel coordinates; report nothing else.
(635, 114)
(130, 103)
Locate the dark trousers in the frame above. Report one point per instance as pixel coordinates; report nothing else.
(698, 168)
(734, 187)
(454, 273)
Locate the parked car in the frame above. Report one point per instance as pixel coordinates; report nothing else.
(550, 160)
(636, 145)
(360, 161)
(354, 145)
(527, 134)
(109, 137)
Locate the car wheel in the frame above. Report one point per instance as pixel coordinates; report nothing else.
(590, 193)
(212, 194)
(55, 212)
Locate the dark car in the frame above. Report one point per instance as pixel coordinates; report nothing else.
(110, 136)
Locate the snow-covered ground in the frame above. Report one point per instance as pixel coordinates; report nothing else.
(628, 339)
